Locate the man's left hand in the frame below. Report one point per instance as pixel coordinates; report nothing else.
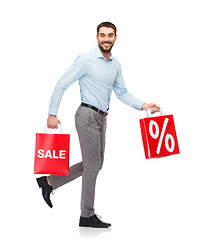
(152, 106)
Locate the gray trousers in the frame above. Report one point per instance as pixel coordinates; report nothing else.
(91, 128)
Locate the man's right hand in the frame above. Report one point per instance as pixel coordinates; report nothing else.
(52, 122)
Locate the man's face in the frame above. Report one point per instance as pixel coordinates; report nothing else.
(106, 39)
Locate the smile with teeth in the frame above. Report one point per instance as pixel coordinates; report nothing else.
(106, 44)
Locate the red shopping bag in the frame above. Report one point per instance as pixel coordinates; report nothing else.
(159, 136)
(52, 154)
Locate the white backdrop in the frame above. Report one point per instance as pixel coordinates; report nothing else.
(170, 53)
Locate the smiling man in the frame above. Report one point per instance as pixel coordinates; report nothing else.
(106, 38)
(98, 73)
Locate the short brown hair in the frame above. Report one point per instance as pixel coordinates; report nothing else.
(108, 25)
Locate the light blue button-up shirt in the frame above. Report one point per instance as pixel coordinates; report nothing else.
(97, 78)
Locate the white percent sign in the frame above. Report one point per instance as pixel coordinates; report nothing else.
(156, 135)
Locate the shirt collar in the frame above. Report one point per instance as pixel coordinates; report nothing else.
(100, 55)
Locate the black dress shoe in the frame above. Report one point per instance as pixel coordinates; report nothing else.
(93, 222)
(46, 189)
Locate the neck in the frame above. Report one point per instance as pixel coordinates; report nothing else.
(105, 55)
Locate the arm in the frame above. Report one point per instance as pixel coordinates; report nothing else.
(76, 70)
(127, 98)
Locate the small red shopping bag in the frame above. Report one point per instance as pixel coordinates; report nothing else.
(52, 154)
(159, 136)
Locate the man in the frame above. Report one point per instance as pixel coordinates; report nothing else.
(98, 73)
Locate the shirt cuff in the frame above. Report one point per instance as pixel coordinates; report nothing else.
(140, 104)
(53, 110)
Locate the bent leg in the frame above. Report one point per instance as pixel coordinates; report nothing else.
(57, 181)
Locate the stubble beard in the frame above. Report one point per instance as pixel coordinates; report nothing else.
(105, 50)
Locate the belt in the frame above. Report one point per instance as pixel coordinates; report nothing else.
(94, 108)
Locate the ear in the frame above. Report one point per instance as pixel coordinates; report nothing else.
(115, 38)
(97, 37)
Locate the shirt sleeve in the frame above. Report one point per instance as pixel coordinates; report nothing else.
(122, 93)
(75, 72)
